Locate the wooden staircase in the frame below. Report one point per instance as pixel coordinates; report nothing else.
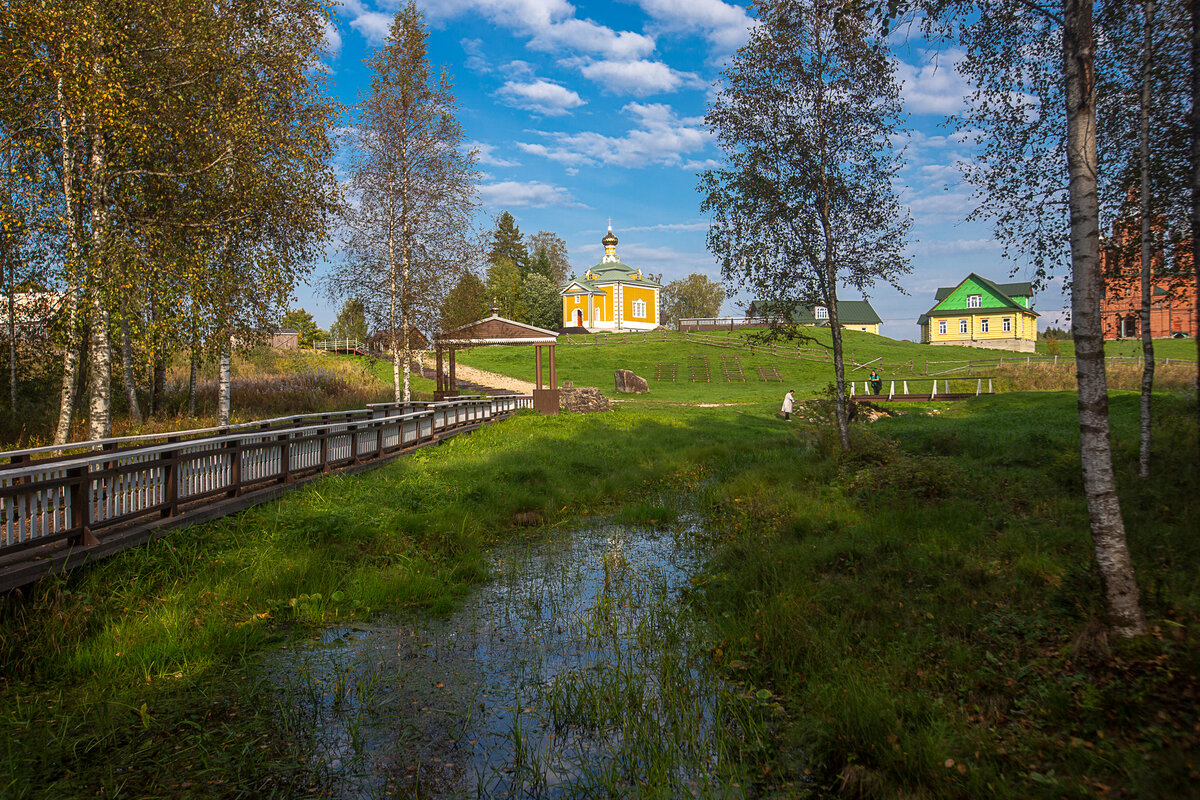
(664, 371)
(698, 369)
(731, 366)
(769, 373)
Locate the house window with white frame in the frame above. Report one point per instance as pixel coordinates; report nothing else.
(983, 325)
(941, 327)
(821, 312)
(639, 309)
(1006, 323)
(974, 301)
(962, 326)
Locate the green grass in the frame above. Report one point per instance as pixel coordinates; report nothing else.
(593, 365)
(924, 608)
(114, 664)
(928, 605)
(1184, 349)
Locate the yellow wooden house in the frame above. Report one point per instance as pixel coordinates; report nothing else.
(611, 296)
(980, 313)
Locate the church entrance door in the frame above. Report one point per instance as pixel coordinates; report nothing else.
(578, 318)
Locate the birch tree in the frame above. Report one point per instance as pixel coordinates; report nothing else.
(1142, 105)
(807, 115)
(1037, 178)
(412, 193)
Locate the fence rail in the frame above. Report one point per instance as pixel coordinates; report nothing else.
(63, 503)
(962, 388)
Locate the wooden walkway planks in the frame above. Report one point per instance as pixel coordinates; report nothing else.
(66, 511)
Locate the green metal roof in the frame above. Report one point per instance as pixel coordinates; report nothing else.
(850, 312)
(952, 302)
(608, 272)
(1009, 289)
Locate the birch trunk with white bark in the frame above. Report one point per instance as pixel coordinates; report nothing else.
(1147, 253)
(1119, 585)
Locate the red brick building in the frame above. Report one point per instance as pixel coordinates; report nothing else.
(1172, 281)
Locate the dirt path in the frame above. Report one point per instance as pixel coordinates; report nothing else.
(493, 380)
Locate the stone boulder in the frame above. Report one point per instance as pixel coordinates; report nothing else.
(583, 400)
(628, 383)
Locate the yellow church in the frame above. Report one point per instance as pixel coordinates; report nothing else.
(611, 296)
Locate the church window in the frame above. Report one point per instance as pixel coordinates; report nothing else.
(576, 299)
(639, 309)
(821, 312)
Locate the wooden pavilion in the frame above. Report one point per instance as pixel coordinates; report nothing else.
(497, 330)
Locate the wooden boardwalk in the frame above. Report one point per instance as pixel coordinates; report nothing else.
(64, 511)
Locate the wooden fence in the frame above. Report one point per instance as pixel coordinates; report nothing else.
(923, 388)
(64, 510)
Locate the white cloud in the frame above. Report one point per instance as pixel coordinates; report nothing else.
(332, 37)
(551, 25)
(934, 87)
(956, 247)
(486, 155)
(541, 97)
(662, 137)
(531, 194)
(476, 59)
(373, 26)
(724, 25)
(671, 226)
(638, 78)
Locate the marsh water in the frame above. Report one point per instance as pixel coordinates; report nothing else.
(576, 672)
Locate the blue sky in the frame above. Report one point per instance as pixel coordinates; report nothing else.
(589, 110)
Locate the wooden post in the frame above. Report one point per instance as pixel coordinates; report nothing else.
(171, 480)
(285, 458)
(537, 365)
(453, 373)
(81, 507)
(553, 370)
(235, 468)
(438, 351)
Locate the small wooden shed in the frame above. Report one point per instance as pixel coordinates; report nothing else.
(498, 330)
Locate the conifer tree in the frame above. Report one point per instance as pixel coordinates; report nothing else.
(508, 243)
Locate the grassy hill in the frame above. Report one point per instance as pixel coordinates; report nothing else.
(591, 361)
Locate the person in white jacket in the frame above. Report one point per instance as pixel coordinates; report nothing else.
(788, 400)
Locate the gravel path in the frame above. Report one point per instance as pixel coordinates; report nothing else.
(481, 377)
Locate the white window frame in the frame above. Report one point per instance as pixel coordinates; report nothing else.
(984, 325)
(576, 299)
(974, 301)
(639, 309)
(941, 327)
(963, 327)
(1006, 324)
(821, 312)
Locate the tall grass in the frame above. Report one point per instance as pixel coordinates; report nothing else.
(265, 383)
(929, 609)
(145, 652)
(1122, 375)
(924, 609)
